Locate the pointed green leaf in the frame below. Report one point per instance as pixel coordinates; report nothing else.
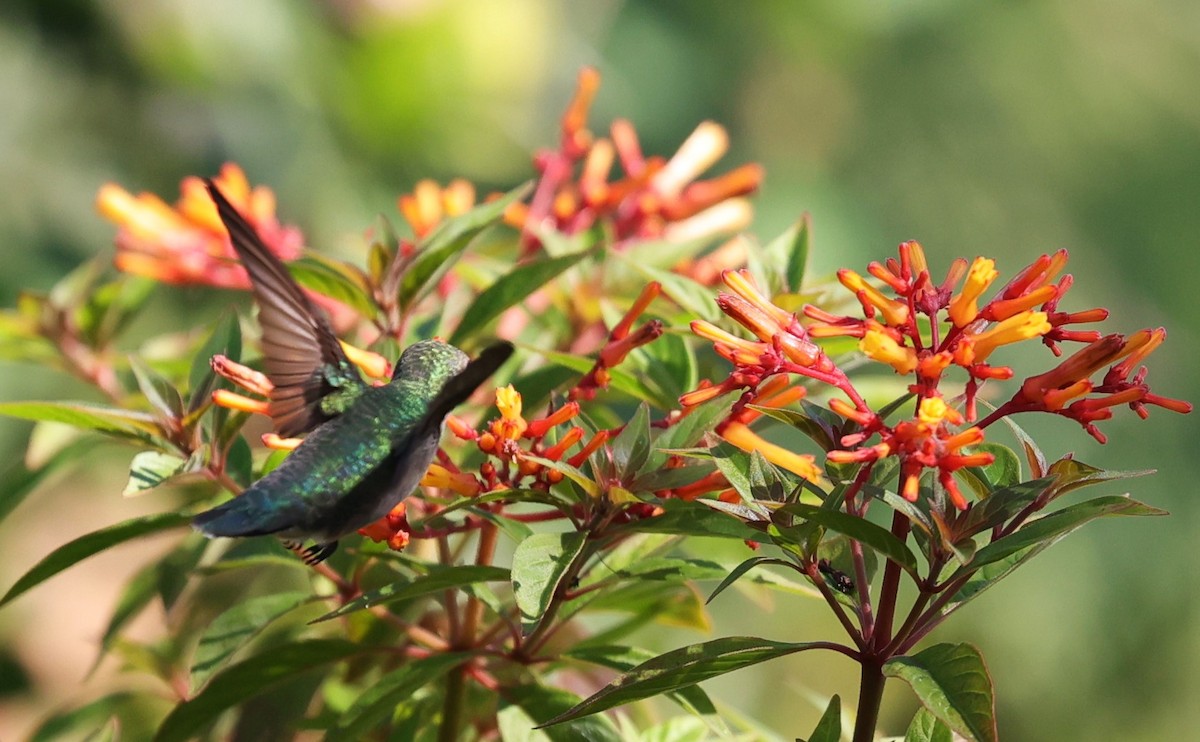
(335, 280)
(85, 718)
(681, 668)
(381, 698)
(234, 628)
(435, 582)
(926, 727)
(952, 681)
(631, 447)
(691, 519)
(509, 290)
(625, 658)
(92, 543)
(226, 340)
(159, 392)
(829, 728)
(540, 702)
(538, 566)
(1003, 472)
(108, 420)
(859, 529)
(1072, 475)
(248, 679)
(695, 298)
(790, 251)
(1003, 504)
(443, 246)
(742, 569)
(150, 469)
(1058, 524)
(619, 378)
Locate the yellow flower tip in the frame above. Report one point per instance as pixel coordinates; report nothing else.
(372, 364)
(1056, 399)
(234, 401)
(964, 307)
(711, 332)
(510, 425)
(1023, 326)
(114, 203)
(707, 144)
(881, 347)
(915, 254)
(802, 465)
(748, 315)
(459, 482)
(273, 441)
(935, 411)
(895, 313)
(741, 282)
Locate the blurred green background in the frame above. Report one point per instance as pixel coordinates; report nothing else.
(1006, 129)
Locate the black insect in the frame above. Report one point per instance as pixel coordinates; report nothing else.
(836, 578)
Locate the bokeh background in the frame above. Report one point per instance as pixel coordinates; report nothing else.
(1006, 129)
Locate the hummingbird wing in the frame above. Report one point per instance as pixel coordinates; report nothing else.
(302, 356)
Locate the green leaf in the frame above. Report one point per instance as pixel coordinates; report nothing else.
(691, 519)
(381, 698)
(159, 392)
(1072, 475)
(538, 566)
(109, 420)
(435, 582)
(695, 298)
(150, 469)
(1005, 471)
(437, 253)
(1003, 504)
(85, 718)
(952, 681)
(17, 482)
(92, 543)
(541, 703)
(508, 290)
(742, 569)
(226, 340)
(859, 529)
(251, 678)
(631, 447)
(790, 250)
(926, 727)
(829, 728)
(335, 280)
(681, 668)
(1057, 525)
(234, 628)
(625, 658)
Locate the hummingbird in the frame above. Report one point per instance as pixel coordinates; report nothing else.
(367, 446)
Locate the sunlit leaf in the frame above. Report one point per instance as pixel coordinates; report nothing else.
(625, 658)
(859, 529)
(1005, 471)
(951, 681)
(542, 702)
(335, 280)
(234, 628)
(149, 469)
(435, 582)
(439, 250)
(692, 519)
(538, 566)
(737, 572)
(681, 668)
(249, 678)
(926, 727)
(93, 543)
(829, 728)
(380, 700)
(631, 447)
(108, 420)
(693, 297)
(508, 290)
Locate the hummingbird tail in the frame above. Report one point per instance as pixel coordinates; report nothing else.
(240, 517)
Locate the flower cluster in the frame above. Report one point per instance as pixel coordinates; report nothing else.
(186, 244)
(654, 198)
(921, 330)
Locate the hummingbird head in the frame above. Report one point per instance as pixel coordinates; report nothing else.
(432, 359)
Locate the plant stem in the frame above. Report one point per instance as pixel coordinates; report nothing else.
(870, 698)
(452, 706)
(889, 593)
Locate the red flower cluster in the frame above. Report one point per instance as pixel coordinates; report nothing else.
(954, 331)
(187, 244)
(655, 198)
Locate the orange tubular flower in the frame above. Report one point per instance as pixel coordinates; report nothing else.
(802, 465)
(429, 204)
(186, 244)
